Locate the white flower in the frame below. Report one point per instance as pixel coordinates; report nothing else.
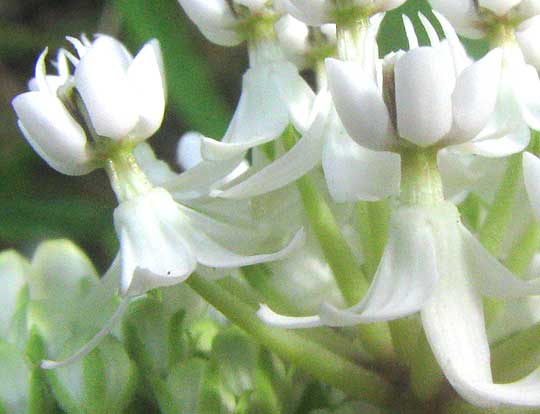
(449, 104)
(527, 37)
(154, 222)
(343, 160)
(432, 264)
(293, 37)
(110, 95)
(273, 96)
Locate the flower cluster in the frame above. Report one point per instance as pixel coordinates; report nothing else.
(381, 195)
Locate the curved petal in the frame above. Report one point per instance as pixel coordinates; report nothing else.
(531, 176)
(424, 80)
(188, 150)
(53, 133)
(101, 79)
(526, 86)
(453, 320)
(499, 7)
(490, 276)
(216, 14)
(260, 117)
(295, 163)
(360, 105)
(154, 251)
(475, 96)
(421, 243)
(221, 37)
(355, 173)
(147, 81)
(210, 253)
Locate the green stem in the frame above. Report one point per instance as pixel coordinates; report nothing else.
(421, 182)
(324, 365)
(348, 273)
(373, 220)
(325, 337)
(523, 252)
(500, 214)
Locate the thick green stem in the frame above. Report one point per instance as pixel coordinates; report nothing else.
(348, 273)
(325, 337)
(500, 214)
(324, 365)
(421, 182)
(373, 219)
(523, 252)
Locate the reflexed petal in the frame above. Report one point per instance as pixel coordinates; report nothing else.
(490, 276)
(223, 37)
(459, 54)
(302, 158)
(526, 86)
(101, 79)
(355, 173)
(419, 247)
(293, 35)
(53, 133)
(148, 224)
(188, 150)
(531, 176)
(453, 320)
(424, 104)
(475, 95)
(360, 105)
(215, 14)
(147, 82)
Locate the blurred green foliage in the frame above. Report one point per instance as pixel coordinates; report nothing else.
(203, 85)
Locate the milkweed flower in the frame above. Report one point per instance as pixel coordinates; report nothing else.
(431, 264)
(114, 102)
(111, 98)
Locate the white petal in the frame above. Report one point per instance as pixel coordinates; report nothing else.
(203, 178)
(424, 81)
(211, 253)
(302, 158)
(406, 276)
(271, 318)
(453, 320)
(475, 96)
(526, 86)
(410, 32)
(224, 37)
(360, 105)
(157, 171)
(154, 250)
(459, 54)
(147, 81)
(188, 150)
(491, 277)
(209, 13)
(531, 176)
(101, 79)
(430, 30)
(53, 133)
(312, 12)
(293, 35)
(355, 173)
(499, 7)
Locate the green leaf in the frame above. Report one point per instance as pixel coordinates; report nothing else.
(191, 89)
